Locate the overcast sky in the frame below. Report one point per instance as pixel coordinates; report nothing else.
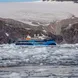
(17, 0)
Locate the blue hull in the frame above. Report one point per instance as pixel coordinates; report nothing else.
(34, 42)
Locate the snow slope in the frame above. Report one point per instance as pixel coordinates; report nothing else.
(38, 11)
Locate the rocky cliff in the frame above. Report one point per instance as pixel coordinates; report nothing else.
(64, 31)
(70, 33)
(67, 28)
(12, 30)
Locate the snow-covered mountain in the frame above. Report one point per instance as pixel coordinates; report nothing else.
(43, 12)
(59, 31)
(45, 18)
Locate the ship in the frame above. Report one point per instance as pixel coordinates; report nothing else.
(35, 41)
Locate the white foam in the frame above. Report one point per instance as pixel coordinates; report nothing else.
(13, 54)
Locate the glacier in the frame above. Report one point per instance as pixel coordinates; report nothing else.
(41, 12)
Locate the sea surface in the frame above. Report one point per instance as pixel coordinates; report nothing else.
(60, 61)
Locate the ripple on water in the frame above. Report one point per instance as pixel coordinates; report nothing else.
(12, 55)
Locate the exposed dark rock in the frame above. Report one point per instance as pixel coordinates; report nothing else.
(11, 30)
(57, 30)
(65, 22)
(70, 33)
(63, 28)
(64, 31)
(57, 38)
